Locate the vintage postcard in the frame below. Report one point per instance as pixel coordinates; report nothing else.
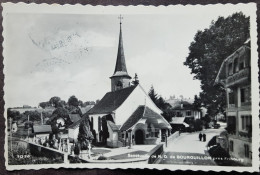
(168, 87)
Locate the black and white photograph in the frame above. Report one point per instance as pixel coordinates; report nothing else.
(151, 87)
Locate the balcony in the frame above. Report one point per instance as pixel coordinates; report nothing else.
(239, 77)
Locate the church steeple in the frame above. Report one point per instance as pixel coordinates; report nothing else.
(120, 79)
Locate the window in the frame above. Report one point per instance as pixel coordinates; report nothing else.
(188, 113)
(242, 95)
(91, 123)
(246, 122)
(230, 71)
(245, 95)
(235, 67)
(246, 147)
(231, 145)
(123, 135)
(231, 97)
(231, 124)
(241, 65)
(99, 123)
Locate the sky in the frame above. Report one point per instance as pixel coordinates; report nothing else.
(75, 54)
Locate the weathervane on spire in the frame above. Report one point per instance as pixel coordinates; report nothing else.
(120, 18)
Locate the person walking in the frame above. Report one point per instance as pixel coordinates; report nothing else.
(200, 136)
(204, 137)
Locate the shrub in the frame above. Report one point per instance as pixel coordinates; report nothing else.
(102, 158)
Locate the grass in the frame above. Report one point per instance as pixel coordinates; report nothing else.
(20, 148)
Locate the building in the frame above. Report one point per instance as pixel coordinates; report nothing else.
(178, 124)
(126, 115)
(185, 109)
(41, 133)
(234, 75)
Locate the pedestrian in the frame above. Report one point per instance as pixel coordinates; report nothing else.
(204, 137)
(200, 136)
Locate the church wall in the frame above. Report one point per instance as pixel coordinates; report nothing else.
(137, 97)
(95, 123)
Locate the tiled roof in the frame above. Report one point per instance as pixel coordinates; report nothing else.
(85, 109)
(74, 117)
(77, 123)
(42, 128)
(111, 101)
(113, 126)
(182, 105)
(145, 113)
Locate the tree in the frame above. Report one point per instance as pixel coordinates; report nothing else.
(54, 101)
(153, 95)
(80, 103)
(207, 52)
(162, 104)
(44, 104)
(136, 80)
(33, 115)
(60, 112)
(73, 101)
(197, 103)
(14, 115)
(85, 135)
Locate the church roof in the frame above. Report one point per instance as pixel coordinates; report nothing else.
(146, 113)
(120, 69)
(111, 101)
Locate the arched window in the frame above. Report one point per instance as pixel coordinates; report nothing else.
(92, 123)
(99, 123)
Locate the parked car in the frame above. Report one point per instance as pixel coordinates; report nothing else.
(216, 126)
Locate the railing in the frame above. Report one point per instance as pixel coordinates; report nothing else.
(238, 77)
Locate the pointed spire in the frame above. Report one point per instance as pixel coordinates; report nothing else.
(120, 68)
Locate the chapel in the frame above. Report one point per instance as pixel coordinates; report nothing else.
(126, 115)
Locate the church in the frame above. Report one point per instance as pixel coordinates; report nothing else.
(126, 115)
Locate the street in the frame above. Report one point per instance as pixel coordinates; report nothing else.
(187, 149)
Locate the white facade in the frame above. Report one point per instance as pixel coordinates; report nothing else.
(122, 113)
(73, 134)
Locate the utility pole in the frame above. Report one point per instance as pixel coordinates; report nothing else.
(28, 128)
(11, 136)
(41, 118)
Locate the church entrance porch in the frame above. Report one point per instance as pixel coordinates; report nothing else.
(139, 137)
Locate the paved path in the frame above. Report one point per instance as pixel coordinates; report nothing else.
(189, 149)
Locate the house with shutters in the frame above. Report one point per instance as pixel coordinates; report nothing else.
(235, 76)
(126, 115)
